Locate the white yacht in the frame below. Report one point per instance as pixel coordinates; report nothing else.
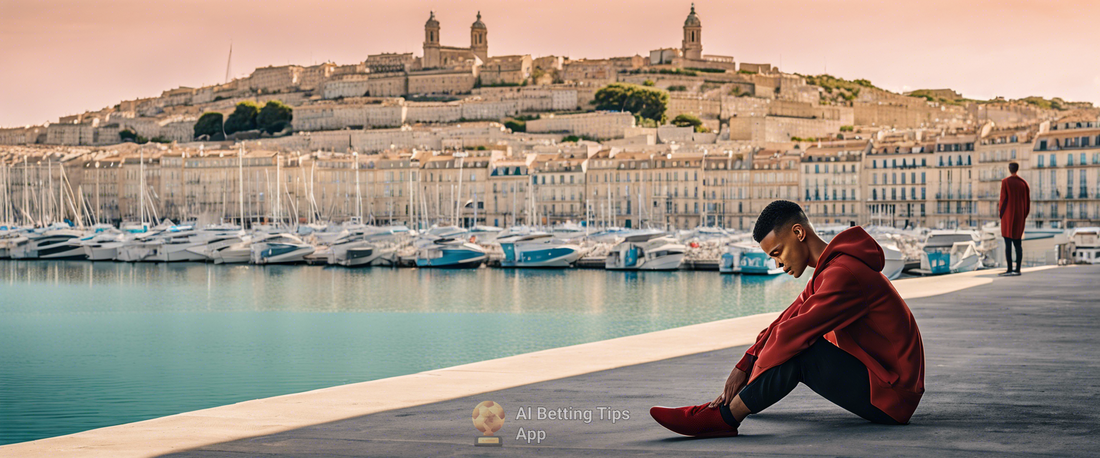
(49, 244)
(214, 238)
(143, 240)
(450, 253)
(10, 236)
(747, 258)
(137, 247)
(103, 246)
(172, 245)
(232, 251)
(485, 234)
(280, 249)
(950, 251)
(538, 250)
(366, 248)
(1086, 243)
(648, 250)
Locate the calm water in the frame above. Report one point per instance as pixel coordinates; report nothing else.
(85, 345)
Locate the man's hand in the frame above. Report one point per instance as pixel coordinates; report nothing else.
(734, 383)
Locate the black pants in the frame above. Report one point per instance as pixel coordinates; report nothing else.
(826, 369)
(1018, 243)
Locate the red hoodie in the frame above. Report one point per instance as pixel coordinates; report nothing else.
(1015, 204)
(851, 304)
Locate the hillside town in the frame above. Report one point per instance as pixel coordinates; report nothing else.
(457, 135)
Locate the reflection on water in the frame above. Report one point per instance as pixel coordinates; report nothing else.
(87, 345)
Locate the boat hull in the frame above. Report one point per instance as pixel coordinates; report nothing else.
(276, 254)
(100, 253)
(453, 259)
(543, 257)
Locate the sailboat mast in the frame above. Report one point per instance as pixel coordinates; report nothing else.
(240, 182)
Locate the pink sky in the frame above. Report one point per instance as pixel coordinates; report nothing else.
(64, 57)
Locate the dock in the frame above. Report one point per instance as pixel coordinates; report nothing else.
(1011, 364)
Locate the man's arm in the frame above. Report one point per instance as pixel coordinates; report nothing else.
(746, 362)
(1004, 198)
(835, 305)
(1027, 199)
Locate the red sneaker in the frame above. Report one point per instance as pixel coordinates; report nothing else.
(696, 421)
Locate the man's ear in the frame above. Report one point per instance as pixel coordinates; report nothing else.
(799, 232)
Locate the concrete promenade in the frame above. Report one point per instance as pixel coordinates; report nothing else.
(1012, 369)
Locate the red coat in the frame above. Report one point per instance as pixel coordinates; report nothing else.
(1015, 205)
(851, 304)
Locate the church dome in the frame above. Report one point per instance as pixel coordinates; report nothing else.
(478, 24)
(431, 21)
(692, 20)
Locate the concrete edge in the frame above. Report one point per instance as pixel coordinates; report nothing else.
(272, 415)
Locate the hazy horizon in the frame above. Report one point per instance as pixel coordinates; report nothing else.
(70, 56)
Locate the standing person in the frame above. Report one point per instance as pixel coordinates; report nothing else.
(1014, 207)
(849, 336)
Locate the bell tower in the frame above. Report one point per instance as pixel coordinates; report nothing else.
(431, 42)
(693, 40)
(479, 39)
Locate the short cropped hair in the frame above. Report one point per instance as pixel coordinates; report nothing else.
(1013, 166)
(777, 215)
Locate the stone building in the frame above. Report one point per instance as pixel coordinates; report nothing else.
(831, 181)
(1065, 174)
(597, 125)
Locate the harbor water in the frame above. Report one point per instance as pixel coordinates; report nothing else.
(93, 344)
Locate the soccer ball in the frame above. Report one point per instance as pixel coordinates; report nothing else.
(488, 417)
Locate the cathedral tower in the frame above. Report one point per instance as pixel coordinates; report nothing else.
(479, 39)
(431, 42)
(693, 40)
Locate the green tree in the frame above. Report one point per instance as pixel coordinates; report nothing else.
(243, 117)
(649, 83)
(274, 117)
(130, 135)
(210, 123)
(648, 102)
(685, 120)
(516, 125)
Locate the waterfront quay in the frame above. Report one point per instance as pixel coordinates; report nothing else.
(1011, 364)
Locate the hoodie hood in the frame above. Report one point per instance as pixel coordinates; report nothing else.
(857, 243)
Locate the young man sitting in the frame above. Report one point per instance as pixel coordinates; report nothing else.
(849, 336)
